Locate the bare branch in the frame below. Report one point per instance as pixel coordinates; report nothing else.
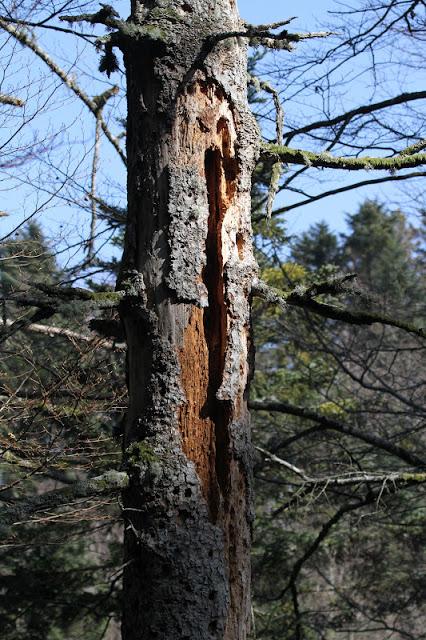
(371, 498)
(283, 40)
(348, 187)
(329, 423)
(100, 101)
(326, 160)
(271, 26)
(347, 508)
(395, 477)
(106, 16)
(262, 85)
(304, 298)
(11, 100)
(284, 463)
(8, 330)
(29, 42)
(67, 333)
(53, 27)
(276, 171)
(365, 109)
(258, 36)
(108, 482)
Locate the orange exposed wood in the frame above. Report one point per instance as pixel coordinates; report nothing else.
(204, 420)
(196, 426)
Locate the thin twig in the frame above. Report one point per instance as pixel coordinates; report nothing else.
(29, 42)
(304, 299)
(326, 423)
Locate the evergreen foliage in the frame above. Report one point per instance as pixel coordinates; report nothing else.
(365, 573)
(59, 576)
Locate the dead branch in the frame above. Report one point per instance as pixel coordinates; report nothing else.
(395, 477)
(11, 100)
(326, 160)
(51, 331)
(304, 298)
(108, 482)
(327, 423)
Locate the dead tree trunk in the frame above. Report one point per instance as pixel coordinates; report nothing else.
(188, 268)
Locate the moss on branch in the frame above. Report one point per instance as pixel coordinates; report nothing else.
(304, 297)
(326, 160)
(109, 482)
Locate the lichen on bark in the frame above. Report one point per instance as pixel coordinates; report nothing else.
(191, 149)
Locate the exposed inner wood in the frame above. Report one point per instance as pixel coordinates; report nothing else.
(215, 316)
(196, 425)
(204, 420)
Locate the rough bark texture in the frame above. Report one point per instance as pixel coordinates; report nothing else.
(188, 270)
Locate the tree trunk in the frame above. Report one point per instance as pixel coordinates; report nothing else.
(188, 268)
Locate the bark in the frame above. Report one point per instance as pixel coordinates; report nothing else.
(187, 271)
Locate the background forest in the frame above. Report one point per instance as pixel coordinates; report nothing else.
(338, 393)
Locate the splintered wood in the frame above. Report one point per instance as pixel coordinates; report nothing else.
(207, 136)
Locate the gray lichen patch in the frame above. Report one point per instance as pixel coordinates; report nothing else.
(187, 233)
(239, 270)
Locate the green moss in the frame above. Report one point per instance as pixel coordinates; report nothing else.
(107, 296)
(141, 32)
(11, 458)
(326, 160)
(154, 32)
(414, 477)
(140, 452)
(111, 479)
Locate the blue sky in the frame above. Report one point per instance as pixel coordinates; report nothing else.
(77, 129)
(312, 15)
(309, 12)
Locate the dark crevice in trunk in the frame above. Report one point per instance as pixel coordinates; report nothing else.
(215, 319)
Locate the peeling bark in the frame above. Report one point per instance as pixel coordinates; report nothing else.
(188, 269)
